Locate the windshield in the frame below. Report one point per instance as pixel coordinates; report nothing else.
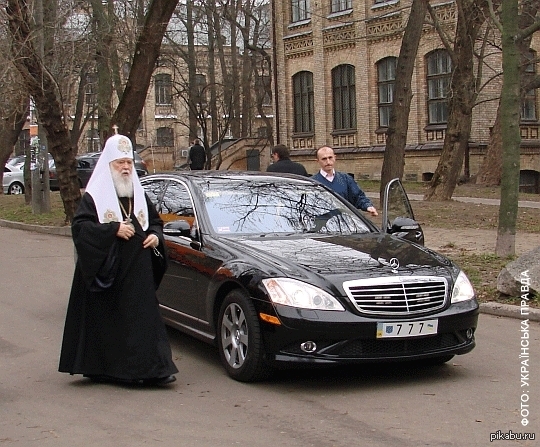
(247, 207)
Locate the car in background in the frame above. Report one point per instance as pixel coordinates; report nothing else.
(13, 181)
(87, 162)
(278, 270)
(85, 166)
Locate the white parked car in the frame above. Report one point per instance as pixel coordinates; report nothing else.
(13, 179)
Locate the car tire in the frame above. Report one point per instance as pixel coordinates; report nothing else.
(239, 339)
(16, 188)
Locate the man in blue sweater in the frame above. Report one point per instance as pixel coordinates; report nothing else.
(341, 182)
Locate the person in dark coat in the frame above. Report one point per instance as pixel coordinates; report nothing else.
(197, 156)
(341, 182)
(113, 330)
(283, 162)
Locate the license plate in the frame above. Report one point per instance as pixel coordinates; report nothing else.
(406, 329)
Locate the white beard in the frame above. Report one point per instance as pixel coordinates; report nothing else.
(123, 185)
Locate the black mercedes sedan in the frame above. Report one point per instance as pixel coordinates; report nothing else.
(277, 270)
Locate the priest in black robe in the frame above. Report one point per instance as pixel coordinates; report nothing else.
(113, 330)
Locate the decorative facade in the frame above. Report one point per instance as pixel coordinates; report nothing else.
(334, 82)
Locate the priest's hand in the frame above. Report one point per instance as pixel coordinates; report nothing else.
(125, 231)
(151, 241)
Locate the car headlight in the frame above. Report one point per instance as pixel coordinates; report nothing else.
(463, 289)
(291, 292)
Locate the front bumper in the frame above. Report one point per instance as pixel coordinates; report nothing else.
(343, 337)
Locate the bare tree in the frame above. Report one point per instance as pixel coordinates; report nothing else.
(396, 135)
(463, 91)
(44, 90)
(490, 171)
(127, 114)
(512, 38)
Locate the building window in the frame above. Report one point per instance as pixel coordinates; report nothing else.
(90, 96)
(92, 141)
(341, 5)
(263, 89)
(303, 102)
(439, 68)
(200, 83)
(163, 86)
(344, 97)
(528, 103)
(165, 137)
(300, 10)
(386, 78)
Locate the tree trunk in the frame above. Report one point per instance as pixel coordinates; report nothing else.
(490, 171)
(11, 127)
(462, 97)
(194, 99)
(104, 30)
(128, 112)
(511, 138)
(44, 91)
(396, 135)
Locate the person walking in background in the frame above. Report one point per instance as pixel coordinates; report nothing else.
(341, 182)
(196, 156)
(113, 330)
(283, 163)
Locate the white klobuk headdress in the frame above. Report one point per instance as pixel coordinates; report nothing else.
(101, 185)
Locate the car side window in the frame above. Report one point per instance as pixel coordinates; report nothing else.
(154, 190)
(176, 203)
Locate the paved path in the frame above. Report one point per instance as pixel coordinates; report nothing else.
(484, 201)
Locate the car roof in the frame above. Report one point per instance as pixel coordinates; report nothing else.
(231, 175)
(98, 154)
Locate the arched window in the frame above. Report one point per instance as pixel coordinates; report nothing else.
(165, 137)
(386, 79)
(303, 105)
(439, 69)
(344, 97)
(163, 87)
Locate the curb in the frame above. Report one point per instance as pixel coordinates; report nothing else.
(510, 311)
(491, 308)
(59, 231)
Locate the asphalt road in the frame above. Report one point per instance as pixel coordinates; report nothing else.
(458, 404)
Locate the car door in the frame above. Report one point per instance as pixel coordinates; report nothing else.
(185, 285)
(398, 216)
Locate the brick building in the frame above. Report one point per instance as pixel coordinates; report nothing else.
(334, 73)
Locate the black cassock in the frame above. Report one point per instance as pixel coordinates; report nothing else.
(116, 332)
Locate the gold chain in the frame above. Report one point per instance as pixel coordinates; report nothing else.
(128, 218)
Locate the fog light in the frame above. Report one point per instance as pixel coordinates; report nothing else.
(470, 333)
(308, 346)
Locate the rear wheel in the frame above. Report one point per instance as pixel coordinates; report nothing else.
(16, 188)
(240, 342)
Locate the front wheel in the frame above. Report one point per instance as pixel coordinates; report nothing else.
(16, 188)
(240, 342)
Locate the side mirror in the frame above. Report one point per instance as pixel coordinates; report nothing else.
(177, 228)
(406, 228)
(398, 217)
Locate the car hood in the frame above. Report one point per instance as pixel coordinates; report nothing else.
(352, 256)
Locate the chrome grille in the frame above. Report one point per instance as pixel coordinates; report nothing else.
(397, 295)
